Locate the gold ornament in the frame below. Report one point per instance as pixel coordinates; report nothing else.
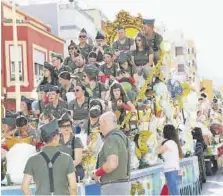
(132, 25)
(141, 94)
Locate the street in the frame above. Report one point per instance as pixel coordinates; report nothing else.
(214, 184)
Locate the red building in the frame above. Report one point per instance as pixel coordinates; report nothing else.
(35, 45)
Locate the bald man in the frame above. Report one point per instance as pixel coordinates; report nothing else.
(113, 162)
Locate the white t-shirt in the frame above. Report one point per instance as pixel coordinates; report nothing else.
(171, 156)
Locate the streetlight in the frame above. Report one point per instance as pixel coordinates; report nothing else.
(15, 43)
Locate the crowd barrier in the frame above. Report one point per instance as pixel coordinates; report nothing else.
(147, 181)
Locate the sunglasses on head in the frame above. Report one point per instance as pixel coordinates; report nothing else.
(65, 126)
(82, 36)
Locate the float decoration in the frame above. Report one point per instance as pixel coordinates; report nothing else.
(132, 25)
(141, 94)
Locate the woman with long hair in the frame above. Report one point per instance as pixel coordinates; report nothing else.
(141, 57)
(128, 74)
(70, 144)
(49, 75)
(199, 152)
(120, 102)
(172, 153)
(26, 107)
(80, 105)
(73, 53)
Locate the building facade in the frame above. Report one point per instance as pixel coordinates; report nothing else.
(66, 19)
(208, 85)
(183, 55)
(99, 18)
(35, 45)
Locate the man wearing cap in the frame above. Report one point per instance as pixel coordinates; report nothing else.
(42, 97)
(56, 107)
(67, 86)
(73, 52)
(85, 48)
(79, 71)
(123, 44)
(113, 164)
(98, 89)
(154, 39)
(57, 61)
(52, 171)
(109, 69)
(9, 124)
(68, 142)
(100, 47)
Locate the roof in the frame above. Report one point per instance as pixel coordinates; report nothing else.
(25, 14)
(29, 17)
(95, 9)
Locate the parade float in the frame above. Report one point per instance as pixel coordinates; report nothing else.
(214, 152)
(161, 101)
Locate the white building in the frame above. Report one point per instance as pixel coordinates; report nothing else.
(98, 16)
(183, 57)
(66, 18)
(179, 52)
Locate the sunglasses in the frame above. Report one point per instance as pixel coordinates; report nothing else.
(82, 36)
(72, 48)
(65, 126)
(76, 90)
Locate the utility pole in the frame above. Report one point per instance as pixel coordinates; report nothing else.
(15, 44)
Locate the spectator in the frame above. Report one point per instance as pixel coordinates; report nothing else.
(172, 153)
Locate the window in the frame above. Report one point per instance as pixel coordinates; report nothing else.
(38, 59)
(179, 51)
(188, 50)
(68, 27)
(181, 68)
(12, 62)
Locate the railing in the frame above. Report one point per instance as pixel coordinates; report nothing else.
(148, 181)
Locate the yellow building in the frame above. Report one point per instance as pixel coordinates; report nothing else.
(221, 89)
(208, 84)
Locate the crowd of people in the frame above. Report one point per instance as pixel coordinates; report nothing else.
(107, 74)
(76, 93)
(92, 89)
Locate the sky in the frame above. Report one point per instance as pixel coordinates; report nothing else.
(200, 20)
